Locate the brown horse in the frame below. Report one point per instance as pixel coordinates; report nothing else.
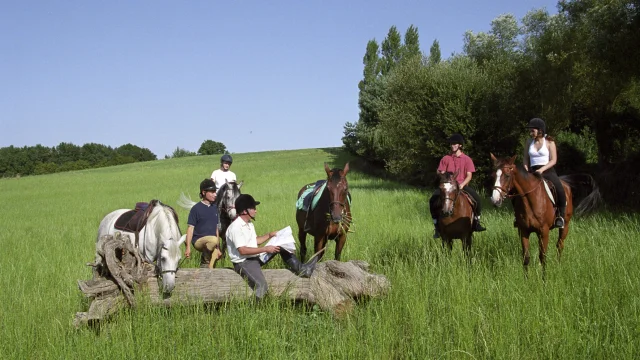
(331, 218)
(533, 209)
(455, 214)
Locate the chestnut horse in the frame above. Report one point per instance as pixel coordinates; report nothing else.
(455, 214)
(331, 218)
(533, 209)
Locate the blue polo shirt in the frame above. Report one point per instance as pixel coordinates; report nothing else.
(204, 220)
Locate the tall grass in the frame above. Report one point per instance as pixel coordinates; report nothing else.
(438, 307)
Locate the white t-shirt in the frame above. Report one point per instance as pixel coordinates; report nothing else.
(220, 177)
(239, 234)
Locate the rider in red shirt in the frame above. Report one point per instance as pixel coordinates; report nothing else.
(457, 160)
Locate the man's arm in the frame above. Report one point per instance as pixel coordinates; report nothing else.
(467, 180)
(187, 252)
(244, 250)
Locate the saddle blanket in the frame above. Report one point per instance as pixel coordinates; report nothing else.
(307, 198)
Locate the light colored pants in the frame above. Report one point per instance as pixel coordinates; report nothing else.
(209, 244)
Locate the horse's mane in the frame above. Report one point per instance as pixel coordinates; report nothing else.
(168, 212)
(521, 170)
(223, 188)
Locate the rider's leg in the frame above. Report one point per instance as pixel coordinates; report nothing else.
(250, 269)
(562, 197)
(478, 209)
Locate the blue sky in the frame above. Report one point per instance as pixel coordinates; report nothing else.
(254, 75)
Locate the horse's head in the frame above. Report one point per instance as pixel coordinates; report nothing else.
(226, 197)
(169, 261)
(168, 253)
(449, 192)
(338, 189)
(503, 173)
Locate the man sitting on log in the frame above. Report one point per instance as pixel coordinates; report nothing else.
(242, 243)
(202, 230)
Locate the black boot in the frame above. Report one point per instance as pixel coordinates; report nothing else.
(205, 259)
(296, 266)
(477, 227)
(559, 221)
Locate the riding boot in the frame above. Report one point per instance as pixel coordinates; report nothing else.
(477, 227)
(296, 266)
(205, 259)
(559, 221)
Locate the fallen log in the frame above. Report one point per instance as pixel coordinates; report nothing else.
(334, 286)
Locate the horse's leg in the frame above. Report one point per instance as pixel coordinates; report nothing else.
(543, 243)
(339, 244)
(466, 246)
(562, 234)
(447, 243)
(524, 237)
(302, 238)
(320, 244)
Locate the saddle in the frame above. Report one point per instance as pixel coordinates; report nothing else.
(552, 192)
(470, 199)
(134, 220)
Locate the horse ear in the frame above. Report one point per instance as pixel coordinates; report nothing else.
(493, 158)
(182, 239)
(345, 170)
(513, 159)
(326, 168)
(240, 184)
(455, 174)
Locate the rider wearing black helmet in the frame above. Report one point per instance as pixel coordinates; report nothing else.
(223, 174)
(202, 230)
(244, 250)
(540, 157)
(456, 160)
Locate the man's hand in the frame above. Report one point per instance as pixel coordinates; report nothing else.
(187, 252)
(271, 249)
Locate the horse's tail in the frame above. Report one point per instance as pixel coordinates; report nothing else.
(586, 190)
(185, 202)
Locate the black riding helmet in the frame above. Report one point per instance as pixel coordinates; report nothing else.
(227, 158)
(245, 202)
(207, 185)
(537, 123)
(456, 139)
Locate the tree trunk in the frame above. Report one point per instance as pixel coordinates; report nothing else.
(334, 286)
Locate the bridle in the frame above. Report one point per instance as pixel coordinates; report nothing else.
(168, 271)
(444, 197)
(507, 192)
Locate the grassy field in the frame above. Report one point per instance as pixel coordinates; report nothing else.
(438, 307)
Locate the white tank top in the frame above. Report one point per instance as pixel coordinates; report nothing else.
(538, 157)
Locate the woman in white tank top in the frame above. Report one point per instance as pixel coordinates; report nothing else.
(540, 157)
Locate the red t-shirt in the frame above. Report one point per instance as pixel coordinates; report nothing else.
(451, 163)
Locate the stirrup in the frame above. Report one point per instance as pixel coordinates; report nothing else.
(477, 227)
(559, 222)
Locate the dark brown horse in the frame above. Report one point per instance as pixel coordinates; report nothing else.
(533, 208)
(331, 218)
(455, 214)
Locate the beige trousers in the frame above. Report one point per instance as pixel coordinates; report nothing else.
(210, 244)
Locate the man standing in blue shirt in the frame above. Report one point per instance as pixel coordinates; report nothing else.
(202, 230)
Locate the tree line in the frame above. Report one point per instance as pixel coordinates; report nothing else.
(39, 160)
(577, 69)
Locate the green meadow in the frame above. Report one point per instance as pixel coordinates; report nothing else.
(439, 307)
